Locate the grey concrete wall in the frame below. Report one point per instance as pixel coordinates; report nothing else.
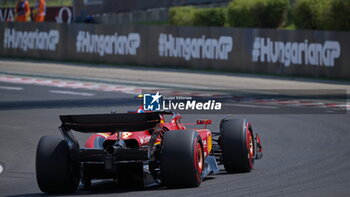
(302, 53)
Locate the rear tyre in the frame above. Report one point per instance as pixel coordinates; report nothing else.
(55, 172)
(182, 159)
(237, 145)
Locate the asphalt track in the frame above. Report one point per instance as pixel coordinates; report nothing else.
(304, 154)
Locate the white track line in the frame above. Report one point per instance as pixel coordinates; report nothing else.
(71, 93)
(70, 84)
(10, 88)
(1, 169)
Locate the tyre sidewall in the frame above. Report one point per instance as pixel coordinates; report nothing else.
(234, 145)
(177, 160)
(54, 168)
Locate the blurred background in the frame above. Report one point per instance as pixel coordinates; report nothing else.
(283, 14)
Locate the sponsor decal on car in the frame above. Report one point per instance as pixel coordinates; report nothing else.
(144, 139)
(126, 134)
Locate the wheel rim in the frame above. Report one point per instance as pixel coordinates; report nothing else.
(250, 147)
(198, 158)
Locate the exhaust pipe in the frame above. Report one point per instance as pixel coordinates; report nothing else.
(113, 149)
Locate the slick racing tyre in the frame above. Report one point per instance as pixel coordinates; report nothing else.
(54, 168)
(182, 159)
(237, 145)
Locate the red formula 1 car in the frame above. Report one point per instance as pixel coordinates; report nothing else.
(142, 148)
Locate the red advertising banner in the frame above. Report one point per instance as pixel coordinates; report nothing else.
(62, 14)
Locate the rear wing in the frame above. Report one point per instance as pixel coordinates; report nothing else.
(94, 123)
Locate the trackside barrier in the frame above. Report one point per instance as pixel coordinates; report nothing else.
(303, 53)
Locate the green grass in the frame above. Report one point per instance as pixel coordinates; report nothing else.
(50, 3)
(290, 27)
